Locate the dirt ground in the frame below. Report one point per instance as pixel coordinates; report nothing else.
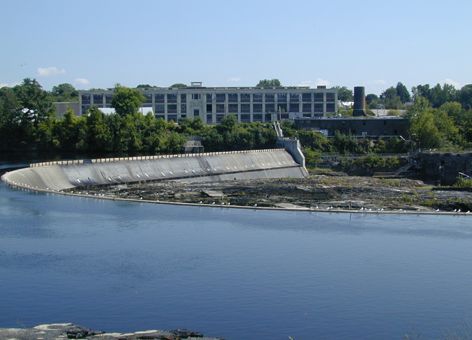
(323, 191)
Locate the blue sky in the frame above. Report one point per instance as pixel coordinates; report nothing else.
(236, 43)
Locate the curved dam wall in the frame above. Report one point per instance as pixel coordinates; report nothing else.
(56, 176)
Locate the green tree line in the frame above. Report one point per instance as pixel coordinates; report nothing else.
(30, 128)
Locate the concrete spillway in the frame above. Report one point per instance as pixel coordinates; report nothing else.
(56, 176)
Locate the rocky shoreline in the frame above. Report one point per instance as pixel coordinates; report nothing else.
(332, 192)
(71, 331)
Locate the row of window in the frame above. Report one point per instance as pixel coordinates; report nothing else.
(256, 108)
(223, 97)
(242, 108)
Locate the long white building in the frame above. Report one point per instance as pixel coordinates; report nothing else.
(211, 104)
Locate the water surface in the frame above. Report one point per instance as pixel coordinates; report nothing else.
(241, 274)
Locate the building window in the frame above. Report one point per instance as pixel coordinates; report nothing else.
(330, 107)
(245, 118)
(172, 117)
(284, 116)
(233, 108)
(306, 97)
(257, 97)
(270, 108)
(160, 108)
(245, 108)
(294, 107)
(319, 97)
(209, 98)
(281, 107)
(294, 97)
(245, 97)
(281, 98)
(269, 98)
(307, 115)
(171, 98)
(257, 108)
(196, 113)
(318, 107)
(220, 97)
(257, 118)
(98, 99)
(108, 98)
(220, 108)
(209, 119)
(159, 98)
(209, 108)
(183, 116)
(183, 98)
(268, 117)
(195, 96)
(330, 97)
(183, 108)
(232, 97)
(306, 107)
(85, 99)
(171, 108)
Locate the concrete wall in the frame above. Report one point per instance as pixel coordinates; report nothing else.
(444, 167)
(62, 175)
(293, 147)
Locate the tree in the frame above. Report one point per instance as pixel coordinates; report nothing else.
(453, 110)
(64, 93)
(35, 103)
(439, 95)
(403, 93)
(424, 131)
(126, 101)
(178, 86)
(419, 105)
(344, 94)
(372, 101)
(269, 83)
(421, 91)
(98, 134)
(391, 99)
(465, 97)
(436, 95)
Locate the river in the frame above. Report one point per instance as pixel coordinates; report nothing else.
(240, 274)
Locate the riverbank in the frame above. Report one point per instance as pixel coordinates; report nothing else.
(71, 331)
(333, 192)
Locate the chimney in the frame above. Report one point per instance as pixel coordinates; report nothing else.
(359, 101)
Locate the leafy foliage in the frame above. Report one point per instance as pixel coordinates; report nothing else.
(126, 100)
(269, 83)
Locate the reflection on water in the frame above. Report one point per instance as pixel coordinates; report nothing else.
(236, 273)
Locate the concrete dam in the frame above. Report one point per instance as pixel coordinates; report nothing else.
(215, 166)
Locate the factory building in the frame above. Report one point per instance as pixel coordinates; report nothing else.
(211, 104)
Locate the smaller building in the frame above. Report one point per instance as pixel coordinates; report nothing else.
(357, 126)
(193, 145)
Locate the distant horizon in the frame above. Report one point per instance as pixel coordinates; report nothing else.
(302, 43)
(230, 86)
